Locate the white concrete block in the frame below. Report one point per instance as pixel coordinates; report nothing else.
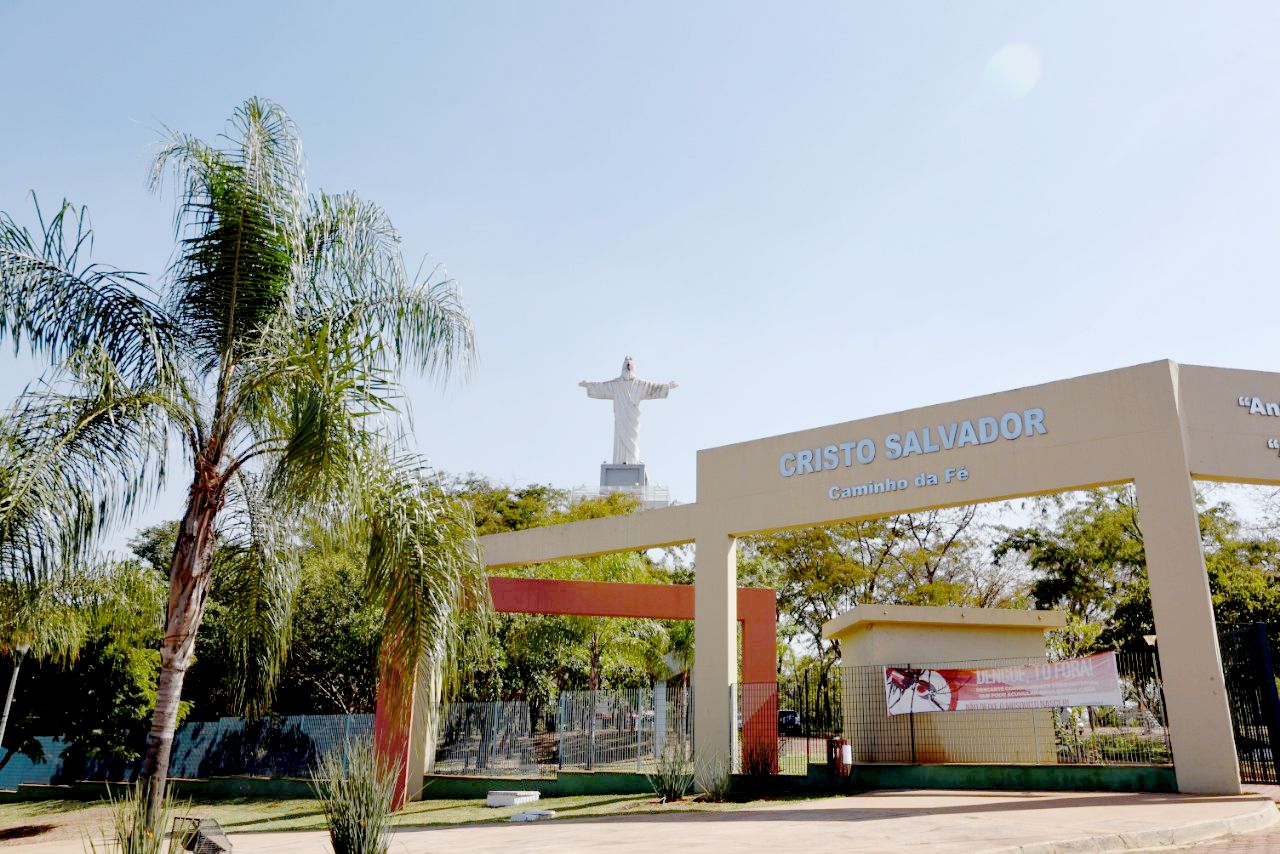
(533, 815)
(508, 798)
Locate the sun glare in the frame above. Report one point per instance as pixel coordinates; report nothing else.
(1014, 70)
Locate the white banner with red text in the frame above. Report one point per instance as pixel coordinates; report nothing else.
(1090, 681)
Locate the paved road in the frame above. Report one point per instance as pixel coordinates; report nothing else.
(1263, 842)
(1266, 842)
(904, 822)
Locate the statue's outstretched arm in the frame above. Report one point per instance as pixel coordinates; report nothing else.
(657, 391)
(597, 390)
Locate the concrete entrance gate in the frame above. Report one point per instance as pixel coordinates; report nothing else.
(1156, 425)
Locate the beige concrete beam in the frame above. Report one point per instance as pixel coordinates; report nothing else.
(1204, 751)
(648, 529)
(715, 637)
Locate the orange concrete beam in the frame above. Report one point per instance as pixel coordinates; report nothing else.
(757, 610)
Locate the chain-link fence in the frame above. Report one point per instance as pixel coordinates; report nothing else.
(604, 730)
(495, 738)
(230, 746)
(262, 747)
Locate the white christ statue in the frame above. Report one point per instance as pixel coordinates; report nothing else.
(626, 392)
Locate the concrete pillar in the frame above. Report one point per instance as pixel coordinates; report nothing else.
(1204, 752)
(428, 691)
(715, 641)
(659, 718)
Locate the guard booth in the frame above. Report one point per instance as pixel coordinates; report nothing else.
(873, 636)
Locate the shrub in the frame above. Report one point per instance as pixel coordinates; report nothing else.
(1106, 748)
(130, 833)
(673, 776)
(355, 788)
(760, 757)
(714, 779)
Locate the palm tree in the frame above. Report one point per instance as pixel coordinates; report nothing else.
(273, 351)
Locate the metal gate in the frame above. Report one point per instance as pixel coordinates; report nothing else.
(1248, 666)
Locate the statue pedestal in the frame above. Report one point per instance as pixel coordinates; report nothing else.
(622, 476)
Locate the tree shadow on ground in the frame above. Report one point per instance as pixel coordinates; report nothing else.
(266, 820)
(24, 831)
(561, 810)
(54, 807)
(854, 811)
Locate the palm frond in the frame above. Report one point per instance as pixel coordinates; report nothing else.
(125, 598)
(237, 225)
(422, 565)
(76, 454)
(52, 617)
(258, 574)
(55, 301)
(356, 275)
(44, 619)
(310, 400)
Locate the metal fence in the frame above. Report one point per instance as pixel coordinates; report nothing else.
(494, 738)
(605, 730)
(786, 727)
(229, 746)
(622, 730)
(262, 747)
(790, 726)
(1249, 667)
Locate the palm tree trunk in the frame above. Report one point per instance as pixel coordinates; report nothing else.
(8, 699)
(188, 587)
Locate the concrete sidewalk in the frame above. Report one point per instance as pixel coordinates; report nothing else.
(892, 821)
(905, 821)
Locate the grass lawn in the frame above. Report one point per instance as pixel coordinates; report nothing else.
(22, 821)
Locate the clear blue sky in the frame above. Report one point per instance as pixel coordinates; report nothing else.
(805, 213)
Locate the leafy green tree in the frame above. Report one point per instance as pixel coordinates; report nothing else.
(273, 353)
(99, 708)
(500, 508)
(533, 656)
(917, 559)
(42, 621)
(108, 700)
(503, 508)
(1088, 559)
(153, 546)
(333, 659)
(594, 646)
(331, 665)
(97, 687)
